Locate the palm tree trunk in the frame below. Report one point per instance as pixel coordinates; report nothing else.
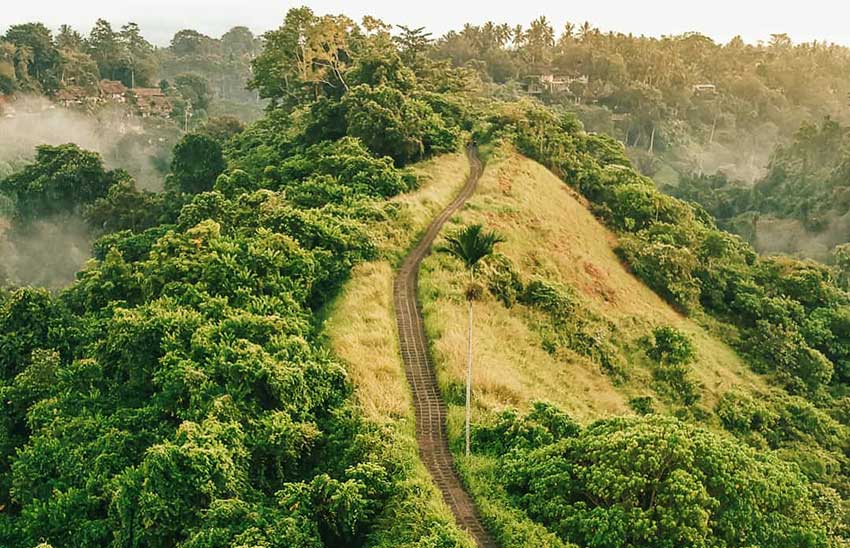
(713, 128)
(469, 376)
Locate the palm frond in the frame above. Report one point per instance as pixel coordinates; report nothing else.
(470, 244)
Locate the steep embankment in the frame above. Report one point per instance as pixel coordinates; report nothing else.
(551, 234)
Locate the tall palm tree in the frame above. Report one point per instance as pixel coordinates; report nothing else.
(469, 245)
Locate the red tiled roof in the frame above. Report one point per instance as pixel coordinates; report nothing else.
(148, 92)
(70, 93)
(112, 87)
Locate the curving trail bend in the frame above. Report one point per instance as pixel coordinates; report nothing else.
(429, 406)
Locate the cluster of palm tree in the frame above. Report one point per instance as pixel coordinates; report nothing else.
(641, 89)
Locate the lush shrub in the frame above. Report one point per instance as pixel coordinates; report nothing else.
(601, 488)
(669, 346)
(556, 300)
(331, 172)
(841, 410)
(392, 124)
(667, 268)
(543, 425)
(673, 352)
(571, 325)
(781, 348)
(126, 208)
(741, 413)
(642, 405)
(503, 280)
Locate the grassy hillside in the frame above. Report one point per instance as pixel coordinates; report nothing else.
(360, 328)
(361, 324)
(552, 235)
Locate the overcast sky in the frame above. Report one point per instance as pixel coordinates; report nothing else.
(721, 19)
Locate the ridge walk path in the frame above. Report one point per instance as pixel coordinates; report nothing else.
(430, 408)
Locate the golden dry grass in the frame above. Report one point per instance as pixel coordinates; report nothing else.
(362, 331)
(551, 233)
(360, 324)
(440, 180)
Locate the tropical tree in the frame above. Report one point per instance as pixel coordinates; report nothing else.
(37, 56)
(61, 179)
(104, 47)
(412, 44)
(306, 58)
(470, 245)
(69, 39)
(197, 163)
(138, 59)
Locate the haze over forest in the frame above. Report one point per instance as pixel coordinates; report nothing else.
(424, 276)
(722, 20)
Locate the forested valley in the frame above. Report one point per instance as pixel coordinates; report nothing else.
(172, 262)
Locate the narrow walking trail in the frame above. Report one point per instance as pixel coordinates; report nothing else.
(430, 408)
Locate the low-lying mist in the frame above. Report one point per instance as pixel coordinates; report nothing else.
(120, 140)
(49, 252)
(46, 253)
(739, 155)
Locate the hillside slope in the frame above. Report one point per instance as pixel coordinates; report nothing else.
(551, 234)
(360, 329)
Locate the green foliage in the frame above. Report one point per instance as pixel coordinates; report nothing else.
(222, 128)
(794, 428)
(391, 124)
(60, 179)
(543, 425)
(678, 251)
(304, 58)
(557, 301)
(337, 172)
(123, 55)
(177, 394)
(190, 372)
(471, 244)
(667, 268)
(741, 413)
(503, 280)
(673, 352)
(197, 162)
(126, 208)
(36, 58)
(642, 405)
(354, 83)
(195, 90)
(600, 487)
(568, 324)
(783, 349)
(670, 346)
(193, 61)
